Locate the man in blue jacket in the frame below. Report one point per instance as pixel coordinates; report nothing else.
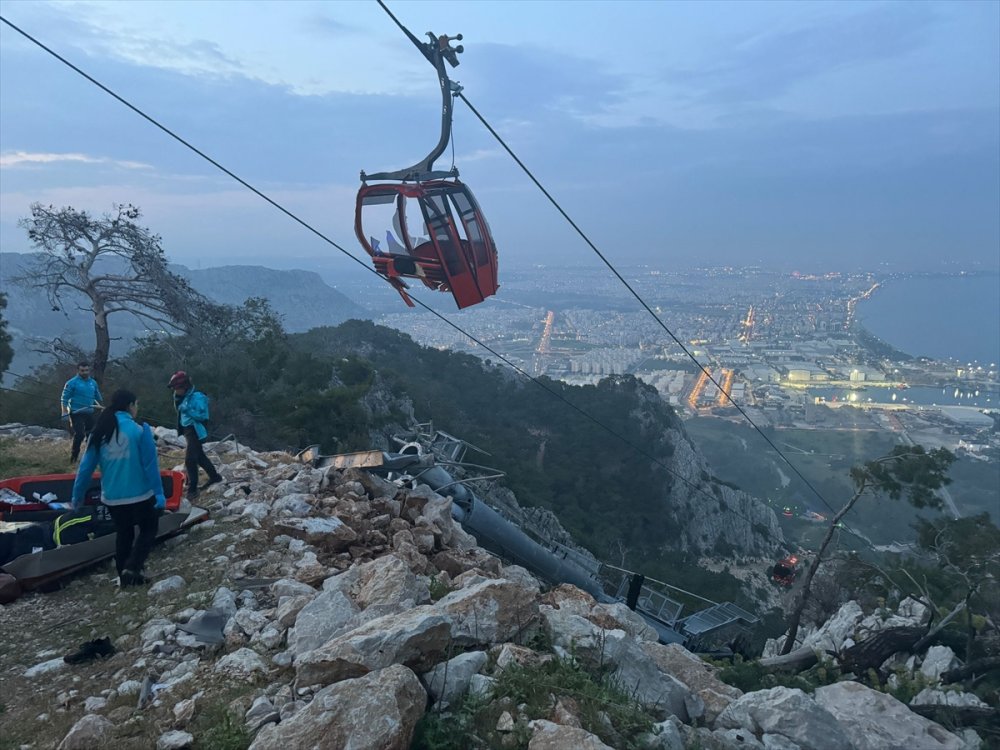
(192, 414)
(79, 398)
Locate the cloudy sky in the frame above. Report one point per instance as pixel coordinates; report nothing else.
(793, 135)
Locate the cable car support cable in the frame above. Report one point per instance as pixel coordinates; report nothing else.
(614, 270)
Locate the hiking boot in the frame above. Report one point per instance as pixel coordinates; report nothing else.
(192, 495)
(100, 648)
(213, 480)
(132, 578)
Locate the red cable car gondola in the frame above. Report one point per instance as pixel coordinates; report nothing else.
(451, 248)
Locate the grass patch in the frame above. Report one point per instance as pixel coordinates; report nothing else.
(217, 727)
(20, 458)
(529, 693)
(438, 589)
(750, 676)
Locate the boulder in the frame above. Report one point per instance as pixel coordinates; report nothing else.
(936, 697)
(289, 608)
(331, 534)
(289, 587)
(328, 615)
(831, 635)
(92, 732)
(876, 721)
(250, 621)
(241, 664)
(699, 676)
(520, 575)
(667, 735)
(788, 713)
(618, 616)
(641, 677)
(174, 740)
(294, 505)
(481, 685)
(387, 585)
(418, 638)
(437, 512)
(549, 736)
(492, 611)
(456, 561)
(46, 667)
(375, 712)
(449, 680)
(574, 635)
(522, 656)
(937, 661)
(170, 585)
(224, 600)
(570, 599)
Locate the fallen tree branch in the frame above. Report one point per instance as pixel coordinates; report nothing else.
(986, 664)
(799, 659)
(876, 648)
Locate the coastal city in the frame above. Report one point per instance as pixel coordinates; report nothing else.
(787, 348)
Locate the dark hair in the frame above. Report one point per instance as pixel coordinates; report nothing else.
(82, 364)
(107, 424)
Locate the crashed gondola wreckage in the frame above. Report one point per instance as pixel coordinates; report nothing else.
(418, 462)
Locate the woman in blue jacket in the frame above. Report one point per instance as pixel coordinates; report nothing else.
(130, 482)
(192, 414)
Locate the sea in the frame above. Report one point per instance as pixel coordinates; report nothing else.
(953, 318)
(944, 317)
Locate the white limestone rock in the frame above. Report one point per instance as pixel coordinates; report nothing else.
(171, 585)
(378, 711)
(876, 721)
(242, 663)
(789, 713)
(937, 661)
(450, 679)
(92, 732)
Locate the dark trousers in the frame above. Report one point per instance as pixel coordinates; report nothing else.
(131, 551)
(83, 425)
(194, 456)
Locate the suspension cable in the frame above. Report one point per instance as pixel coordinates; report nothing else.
(621, 278)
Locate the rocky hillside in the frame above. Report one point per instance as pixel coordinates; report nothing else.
(353, 612)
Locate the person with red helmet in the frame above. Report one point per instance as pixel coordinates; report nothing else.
(192, 414)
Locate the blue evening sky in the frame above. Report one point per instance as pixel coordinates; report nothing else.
(792, 135)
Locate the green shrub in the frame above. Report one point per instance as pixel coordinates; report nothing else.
(530, 693)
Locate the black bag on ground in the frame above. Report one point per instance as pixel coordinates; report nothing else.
(89, 522)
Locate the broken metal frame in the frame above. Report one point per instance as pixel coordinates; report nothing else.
(710, 628)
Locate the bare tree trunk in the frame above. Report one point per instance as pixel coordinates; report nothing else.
(986, 664)
(796, 619)
(102, 337)
(872, 651)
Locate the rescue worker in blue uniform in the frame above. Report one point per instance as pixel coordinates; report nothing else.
(192, 414)
(131, 487)
(80, 396)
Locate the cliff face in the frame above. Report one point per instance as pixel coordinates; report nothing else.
(715, 520)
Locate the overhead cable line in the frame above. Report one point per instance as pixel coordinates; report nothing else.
(621, 278)
(334, 244)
